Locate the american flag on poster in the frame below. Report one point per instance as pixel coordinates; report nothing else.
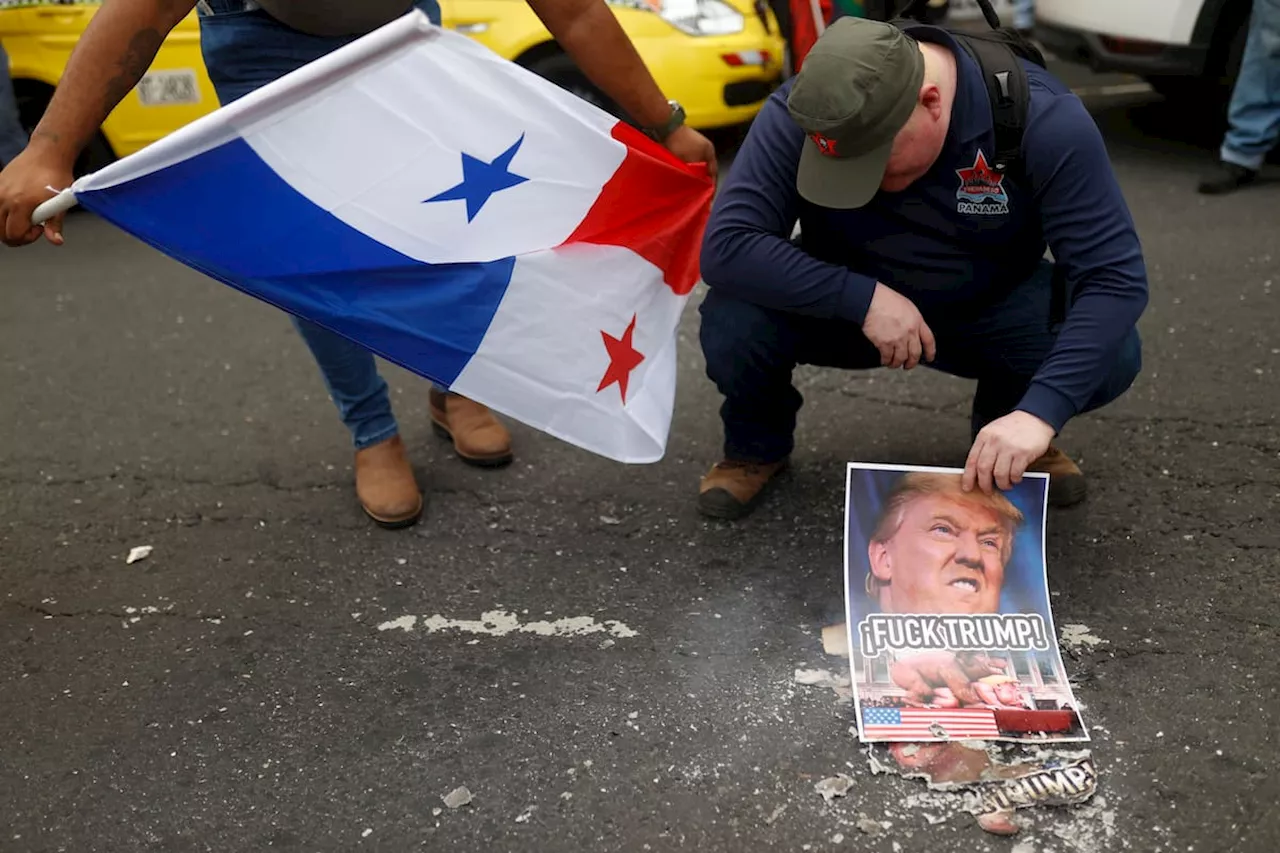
(917, 723)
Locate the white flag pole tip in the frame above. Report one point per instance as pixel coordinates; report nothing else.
(60, 203)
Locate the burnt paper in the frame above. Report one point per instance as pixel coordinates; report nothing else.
(995, 782)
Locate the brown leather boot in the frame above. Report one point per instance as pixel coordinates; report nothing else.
(731, 489)
(386, 486)
(478, 437)
(1066, 480)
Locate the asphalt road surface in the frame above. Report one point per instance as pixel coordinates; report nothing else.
(234, 690)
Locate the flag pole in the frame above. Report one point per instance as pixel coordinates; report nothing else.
(819, 23)
(60, 203)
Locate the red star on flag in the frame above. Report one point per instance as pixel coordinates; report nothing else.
(623, 358)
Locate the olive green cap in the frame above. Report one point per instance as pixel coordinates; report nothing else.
(857, 87)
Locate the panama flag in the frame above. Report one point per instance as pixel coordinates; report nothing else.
(450, 211)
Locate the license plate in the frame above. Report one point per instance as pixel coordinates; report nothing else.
(161, 88)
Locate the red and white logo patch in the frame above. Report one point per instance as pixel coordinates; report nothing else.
(981, 189)
(825, 144)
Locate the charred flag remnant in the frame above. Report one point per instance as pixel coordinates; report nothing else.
(948, 622)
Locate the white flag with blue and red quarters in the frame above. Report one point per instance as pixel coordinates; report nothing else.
(450, 211)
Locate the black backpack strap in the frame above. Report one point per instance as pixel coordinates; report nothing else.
(998, 53)
(1007, 89)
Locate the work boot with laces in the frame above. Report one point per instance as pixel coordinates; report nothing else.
(731, 489)
(1066, 480)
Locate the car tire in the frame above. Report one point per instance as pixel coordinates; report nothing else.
(1188, 91)
(1212, 90)
(33, 99)
(1233, 55)
(564, 72)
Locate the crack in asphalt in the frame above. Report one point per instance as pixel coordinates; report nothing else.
(151, 480)
(1253, 622)
(79, 614)
(1121, 654)
(1182, 420)
(488, 501)
(957, 407)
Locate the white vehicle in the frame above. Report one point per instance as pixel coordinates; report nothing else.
(1181, 47)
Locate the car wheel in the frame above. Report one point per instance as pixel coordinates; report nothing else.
(33, 99)
(1185, 90)
(1212, 90)
(1234, 55)
(561, 70)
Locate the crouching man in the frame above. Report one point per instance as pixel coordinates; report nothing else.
(915, 248)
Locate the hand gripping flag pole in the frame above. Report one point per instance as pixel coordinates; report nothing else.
(60, 203)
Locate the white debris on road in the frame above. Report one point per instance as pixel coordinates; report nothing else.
(457, 798)
(499, 623)
(867, 826)
(821, 678)
(405, 623)
(139, 553)
(1076, 635)
(834, 786)
(1091, 830)
(835, 640)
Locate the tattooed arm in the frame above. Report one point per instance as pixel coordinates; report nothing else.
(111, 56)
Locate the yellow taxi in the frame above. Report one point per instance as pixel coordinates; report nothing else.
(719, 58)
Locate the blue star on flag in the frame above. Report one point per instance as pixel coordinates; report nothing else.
(480, 180)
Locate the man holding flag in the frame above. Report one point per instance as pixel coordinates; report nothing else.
(246, 46)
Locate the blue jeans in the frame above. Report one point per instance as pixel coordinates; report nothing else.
(1254, 112)
(13, 137)
(244, 50)
(751, 352)
(1024, 14)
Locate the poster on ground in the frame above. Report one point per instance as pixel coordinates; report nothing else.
(949, 626)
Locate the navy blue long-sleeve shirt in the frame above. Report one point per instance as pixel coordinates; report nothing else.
(948, 251)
